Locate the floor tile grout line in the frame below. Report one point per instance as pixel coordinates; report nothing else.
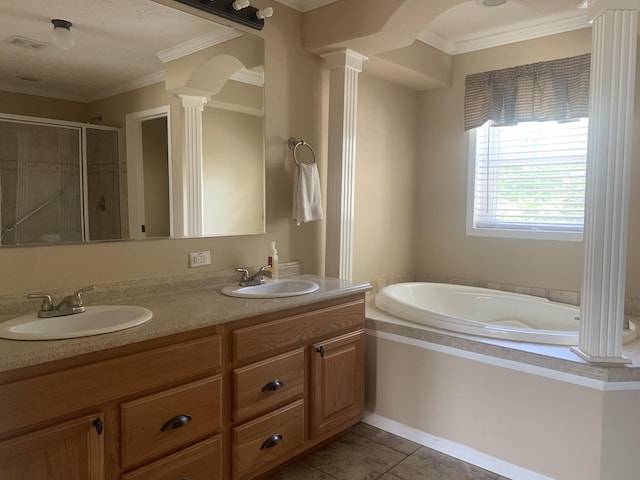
(388, 446)
(316, 468)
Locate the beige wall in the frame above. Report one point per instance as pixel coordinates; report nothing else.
(35, 106)
(386, 165)
(293, 106)
(444, 247)
(232, 172)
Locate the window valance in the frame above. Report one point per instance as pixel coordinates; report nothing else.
(544, 91)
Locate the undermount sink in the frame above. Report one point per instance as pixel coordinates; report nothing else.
(288, 287)
(93, 321)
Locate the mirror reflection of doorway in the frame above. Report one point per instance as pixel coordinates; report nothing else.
(149, 173)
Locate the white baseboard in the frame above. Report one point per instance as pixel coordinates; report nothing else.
(453, 449)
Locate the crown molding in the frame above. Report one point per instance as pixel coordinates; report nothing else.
(496, 39)
(41, 92)
(252, 77)
(215, 37)
(140, 82)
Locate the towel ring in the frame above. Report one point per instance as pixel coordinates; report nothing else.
(294, 144)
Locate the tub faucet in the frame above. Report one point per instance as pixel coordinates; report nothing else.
(257, 278)
(69, 305)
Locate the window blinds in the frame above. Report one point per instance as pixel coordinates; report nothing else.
(531, 176)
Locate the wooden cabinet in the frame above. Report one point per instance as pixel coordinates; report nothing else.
(72, 450)
(337, 382)
(157, 424)
(202, 461)
(297, 380)
(232, 401)
(267, 440)
(139, 398)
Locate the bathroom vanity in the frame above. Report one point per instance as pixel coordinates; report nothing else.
(234, 398)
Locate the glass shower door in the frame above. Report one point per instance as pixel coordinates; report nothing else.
(40, 183)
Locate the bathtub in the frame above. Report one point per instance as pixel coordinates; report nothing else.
(485, 312)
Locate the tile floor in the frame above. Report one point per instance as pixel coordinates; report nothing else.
(368, 453)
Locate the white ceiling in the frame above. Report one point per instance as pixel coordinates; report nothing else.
(118, 40)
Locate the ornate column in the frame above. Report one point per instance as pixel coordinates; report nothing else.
(192, 151)
(344, 67)
(613, 70)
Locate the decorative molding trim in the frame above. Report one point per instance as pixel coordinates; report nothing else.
(215, 37)
(41, 92)
(250, 77)
(496, 39)
(344, 66)
(613, 72)
(193, 107)
(453, 449)
(557, 375)
(140, 82)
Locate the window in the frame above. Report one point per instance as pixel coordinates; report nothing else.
(528, 180)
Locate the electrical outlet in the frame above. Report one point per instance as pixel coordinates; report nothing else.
(199, 259)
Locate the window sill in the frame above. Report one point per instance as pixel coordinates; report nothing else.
(524, 234)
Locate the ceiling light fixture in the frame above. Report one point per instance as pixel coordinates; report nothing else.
(264, 13)
(61, 35)
(240, 4)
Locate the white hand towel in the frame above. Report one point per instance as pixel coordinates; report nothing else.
(307, 199)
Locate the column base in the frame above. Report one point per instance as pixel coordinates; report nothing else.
(601, 360)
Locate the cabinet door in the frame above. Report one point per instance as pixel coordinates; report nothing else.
(337, 383)
(69, 451)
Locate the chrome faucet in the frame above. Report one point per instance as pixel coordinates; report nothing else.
(257, 278)
(69, 305)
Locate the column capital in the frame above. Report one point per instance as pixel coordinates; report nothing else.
(344, 58)
(193, 101)
(595, 8)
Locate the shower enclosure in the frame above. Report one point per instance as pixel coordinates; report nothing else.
(59, 181)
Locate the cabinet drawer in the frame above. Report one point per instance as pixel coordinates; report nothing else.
(105, 381)
(265, 441)
(202, 461)
(157, 424)
(262, 386)
(265, 337)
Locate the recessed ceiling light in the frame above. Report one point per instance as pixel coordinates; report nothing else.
(493, 3)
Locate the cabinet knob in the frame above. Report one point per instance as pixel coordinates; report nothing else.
(178, 421)
(273, 385)
(98, 425)
(271, 442)
(320, 350)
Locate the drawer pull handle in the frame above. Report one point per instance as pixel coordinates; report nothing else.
(178, 421)
(271, 442)
(320, 350)
(273, 385)
(98, 425)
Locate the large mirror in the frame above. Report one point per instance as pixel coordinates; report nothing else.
(99, 135)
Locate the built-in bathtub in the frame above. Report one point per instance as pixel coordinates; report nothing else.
(486, 312)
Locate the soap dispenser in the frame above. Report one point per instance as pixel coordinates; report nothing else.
(273, 261)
